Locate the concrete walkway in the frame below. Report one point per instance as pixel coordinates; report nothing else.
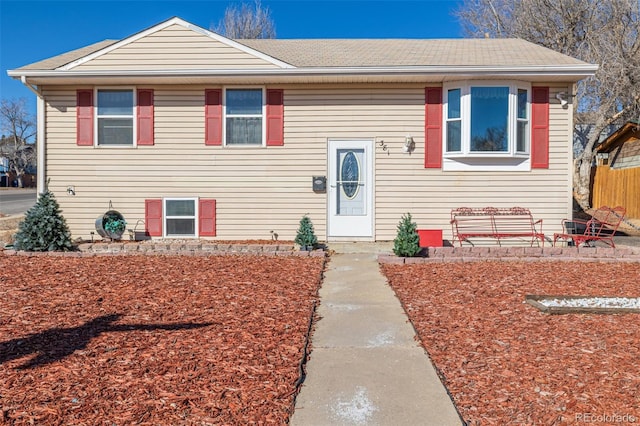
(366, 367)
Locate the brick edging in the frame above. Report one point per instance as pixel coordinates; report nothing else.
(475, 254)
(182, 249)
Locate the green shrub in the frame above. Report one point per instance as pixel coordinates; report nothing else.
(44, 228)
(306, 237)
(407, 242)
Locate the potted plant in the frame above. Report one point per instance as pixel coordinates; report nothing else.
(306, 237)
(111, 225)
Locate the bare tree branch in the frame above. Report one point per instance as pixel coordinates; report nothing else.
(18, 127)
(603, 32)
(247, 21)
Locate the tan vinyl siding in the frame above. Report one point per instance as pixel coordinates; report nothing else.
(175, 47)
(402, 184)
(259, 190)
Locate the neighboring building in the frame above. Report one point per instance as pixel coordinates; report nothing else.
(616, 181)
(4, 171)
(191, 134)
(8, 177)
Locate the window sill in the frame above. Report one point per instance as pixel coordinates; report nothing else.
(486, 163)
(492, 155)
(247, 146)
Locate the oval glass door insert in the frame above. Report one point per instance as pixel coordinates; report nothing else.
(350, 174)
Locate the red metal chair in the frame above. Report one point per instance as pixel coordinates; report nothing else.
(602, 226)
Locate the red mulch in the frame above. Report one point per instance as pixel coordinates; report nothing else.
(505, 362)
(153, 340)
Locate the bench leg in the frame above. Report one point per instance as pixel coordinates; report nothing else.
(570, 241)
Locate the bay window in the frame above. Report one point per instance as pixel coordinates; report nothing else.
(486, 120)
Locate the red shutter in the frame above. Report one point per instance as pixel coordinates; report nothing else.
(84, 117)
(540, 128)
(213, 117)
(153, 217)
(275, 117)
(433, 128)
(145, 117)
(207, 218)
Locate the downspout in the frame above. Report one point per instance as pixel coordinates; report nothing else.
(40, 135)
(572, 128)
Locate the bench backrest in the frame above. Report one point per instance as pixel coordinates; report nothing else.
(491, 219)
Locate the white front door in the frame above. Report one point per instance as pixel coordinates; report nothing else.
(350, 189)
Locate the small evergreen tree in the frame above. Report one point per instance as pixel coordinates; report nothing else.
(44, 228)
(407, 242)
(306, 236)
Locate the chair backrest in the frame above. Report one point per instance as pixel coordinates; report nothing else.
(605, 220)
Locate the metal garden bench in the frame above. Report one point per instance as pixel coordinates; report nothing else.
(497, 223)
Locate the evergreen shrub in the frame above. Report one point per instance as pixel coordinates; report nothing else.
(44, 228)
(306, 237)
(407, 241)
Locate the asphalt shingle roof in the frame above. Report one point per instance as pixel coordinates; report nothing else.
(328, 53)
(408, 52)
(60, 60)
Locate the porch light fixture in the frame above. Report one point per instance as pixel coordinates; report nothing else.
(563, 97)
(409, 145)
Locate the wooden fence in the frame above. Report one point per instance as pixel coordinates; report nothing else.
(617, 187)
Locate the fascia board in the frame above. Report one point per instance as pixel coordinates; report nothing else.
(163, 25)
(580, 71)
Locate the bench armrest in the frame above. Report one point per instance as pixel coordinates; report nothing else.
(539, 221)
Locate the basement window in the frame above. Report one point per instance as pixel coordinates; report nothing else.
(180, 217)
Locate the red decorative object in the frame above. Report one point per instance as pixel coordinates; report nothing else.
(430, 237)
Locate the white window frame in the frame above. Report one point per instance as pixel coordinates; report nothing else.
(195, 217)
(134, 127)
(465, 112)
(263, 116)
(527, 120)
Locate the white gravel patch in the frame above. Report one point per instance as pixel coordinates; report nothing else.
(593, 302)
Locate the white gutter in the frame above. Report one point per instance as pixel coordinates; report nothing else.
(23, 79)
(586, 70)
(40, 145)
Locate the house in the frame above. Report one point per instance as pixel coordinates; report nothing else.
(4, 171)
(616, 181)
(25, 156)
(187, 133)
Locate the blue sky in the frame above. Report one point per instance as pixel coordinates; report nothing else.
(35, 30)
